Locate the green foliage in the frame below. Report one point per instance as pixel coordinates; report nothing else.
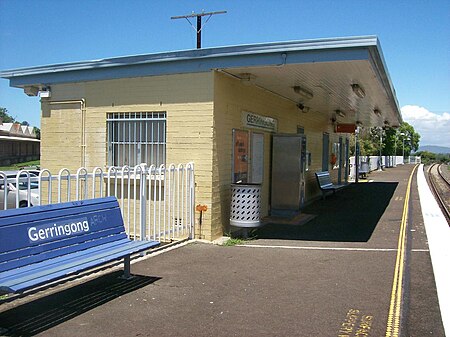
(233, 242)
(406, 135)
(389, 140)
(18, 166)
(5, 117)
(430, 157)
(37, 131)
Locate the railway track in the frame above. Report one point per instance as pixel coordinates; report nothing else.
(440, 185)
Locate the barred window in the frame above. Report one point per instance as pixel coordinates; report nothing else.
(136, 137)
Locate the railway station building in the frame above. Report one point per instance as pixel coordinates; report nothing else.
(18, 143)
(271, 114)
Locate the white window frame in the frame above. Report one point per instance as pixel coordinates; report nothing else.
(136, 137)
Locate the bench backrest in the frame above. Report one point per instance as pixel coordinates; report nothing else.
(34, 234)
(323, 178)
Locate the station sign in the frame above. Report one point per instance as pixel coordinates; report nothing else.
(254, 121)
(345, 128)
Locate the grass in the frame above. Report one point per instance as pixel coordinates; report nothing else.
(18, 166)
(240, 238)
(233, 242)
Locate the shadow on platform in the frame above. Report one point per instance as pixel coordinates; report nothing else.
(44, 313)
(350, 215)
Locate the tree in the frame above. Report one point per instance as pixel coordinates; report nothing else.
(5, 117)
(430, 157)
(427, 157)
(369, 142)
(389, 140)
(37, 131)
(407, 136)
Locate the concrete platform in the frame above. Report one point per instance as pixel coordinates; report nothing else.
(330, 277)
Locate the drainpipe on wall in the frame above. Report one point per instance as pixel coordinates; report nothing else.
(82, 103)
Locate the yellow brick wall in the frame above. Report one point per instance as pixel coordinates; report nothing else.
(231, 97)
(202, 109)
(186, 98)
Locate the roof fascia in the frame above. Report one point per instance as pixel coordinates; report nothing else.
(202, 60)
(379, 65)
(189, 66)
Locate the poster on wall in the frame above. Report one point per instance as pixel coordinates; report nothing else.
(240, 156)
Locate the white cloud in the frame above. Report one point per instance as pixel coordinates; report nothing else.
(434, 129)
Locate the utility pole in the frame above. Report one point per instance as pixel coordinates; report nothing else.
(199, 27)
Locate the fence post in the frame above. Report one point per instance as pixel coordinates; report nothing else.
(5, 190)
(190, 168)
(60, 177)
(94, 176)
(142, 196)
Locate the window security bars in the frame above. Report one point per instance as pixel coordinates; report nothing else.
(136, 137)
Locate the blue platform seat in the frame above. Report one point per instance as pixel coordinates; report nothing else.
(42, 244)
(325, 184)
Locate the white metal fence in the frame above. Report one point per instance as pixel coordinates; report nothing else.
(373, 162)
(157, 203)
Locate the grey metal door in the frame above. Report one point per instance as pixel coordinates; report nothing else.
(286, 172)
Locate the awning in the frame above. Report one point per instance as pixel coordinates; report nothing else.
(319, 75)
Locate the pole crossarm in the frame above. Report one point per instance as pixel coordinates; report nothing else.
(193, 15)
(199, 27)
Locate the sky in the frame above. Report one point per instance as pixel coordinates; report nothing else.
(414, 37)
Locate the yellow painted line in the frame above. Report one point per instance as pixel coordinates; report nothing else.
(393, 322)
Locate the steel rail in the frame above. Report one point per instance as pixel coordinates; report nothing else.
(442, 176)
(436, 192)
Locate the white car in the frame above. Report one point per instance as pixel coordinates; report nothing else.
(10, 190)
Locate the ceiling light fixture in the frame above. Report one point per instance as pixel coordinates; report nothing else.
(358, 91)
(247, 78)
(303, 108)
(45, 93)
(340, 113)
(377, 112)
(303, 92)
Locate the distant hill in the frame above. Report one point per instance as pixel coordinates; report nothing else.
(434, 149)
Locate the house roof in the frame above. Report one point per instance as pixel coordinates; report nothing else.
(14, 130)
(324, 67)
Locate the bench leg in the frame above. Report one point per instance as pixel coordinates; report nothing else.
(126, 268)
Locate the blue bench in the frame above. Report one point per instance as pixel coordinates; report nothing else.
(42, 244)
(325, 184)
